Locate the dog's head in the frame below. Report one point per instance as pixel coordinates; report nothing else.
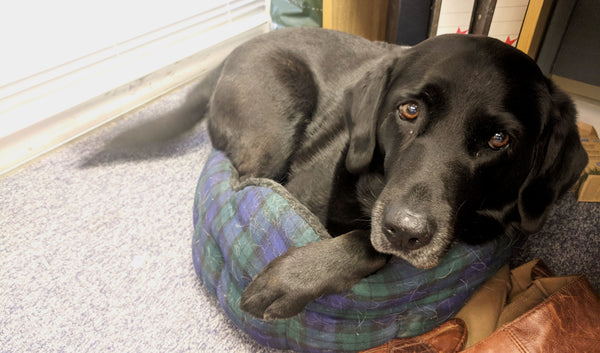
(470, 138)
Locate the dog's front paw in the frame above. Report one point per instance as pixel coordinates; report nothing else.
(279, 291)
(287, 284)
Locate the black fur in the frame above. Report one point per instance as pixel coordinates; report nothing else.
(318, 111)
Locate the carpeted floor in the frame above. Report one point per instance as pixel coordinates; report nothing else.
(95, 248)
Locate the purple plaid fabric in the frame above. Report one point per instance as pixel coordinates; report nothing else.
(241, 228)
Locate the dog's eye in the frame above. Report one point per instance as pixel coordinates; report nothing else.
(409, 110)
(499, 140)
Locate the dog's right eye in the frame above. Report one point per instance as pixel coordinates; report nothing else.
(499, 140)
(409, 110)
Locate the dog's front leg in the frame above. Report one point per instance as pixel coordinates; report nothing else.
(286, 285)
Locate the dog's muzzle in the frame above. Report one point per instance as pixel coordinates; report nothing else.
(407, 229)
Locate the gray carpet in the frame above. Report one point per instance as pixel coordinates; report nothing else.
(95, 248)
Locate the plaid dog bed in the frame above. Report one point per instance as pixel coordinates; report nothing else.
(240, 227)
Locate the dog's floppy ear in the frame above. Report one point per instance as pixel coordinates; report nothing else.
(558, 160)
(362, 103)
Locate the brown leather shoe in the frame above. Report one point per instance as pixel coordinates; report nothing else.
(449, 337)
(523, 311)
(567, 321)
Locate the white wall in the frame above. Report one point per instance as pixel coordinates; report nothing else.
(39, 35)
(68, 66)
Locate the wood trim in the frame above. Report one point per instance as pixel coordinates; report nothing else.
(328, 14)
(364, 18)
(392, 17)
(534, 26)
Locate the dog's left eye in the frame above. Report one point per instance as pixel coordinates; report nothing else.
(409, 110)
(499, 140)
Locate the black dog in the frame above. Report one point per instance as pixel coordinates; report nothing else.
(397, 150)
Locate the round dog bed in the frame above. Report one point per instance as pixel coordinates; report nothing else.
(240, 227)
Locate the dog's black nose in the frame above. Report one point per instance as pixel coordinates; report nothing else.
(407, 229)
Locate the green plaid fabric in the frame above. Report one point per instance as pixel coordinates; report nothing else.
(239, 228)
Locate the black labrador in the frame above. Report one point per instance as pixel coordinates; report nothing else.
(398, 151)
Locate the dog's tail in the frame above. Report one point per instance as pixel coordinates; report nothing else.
(174, 123)
(194, 108)
(165, 135)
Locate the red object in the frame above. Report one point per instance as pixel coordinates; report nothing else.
(510, 41)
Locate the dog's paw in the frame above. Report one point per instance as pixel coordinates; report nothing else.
(279, 291)
(287, 284)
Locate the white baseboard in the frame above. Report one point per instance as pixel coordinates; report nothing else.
(54, 112)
